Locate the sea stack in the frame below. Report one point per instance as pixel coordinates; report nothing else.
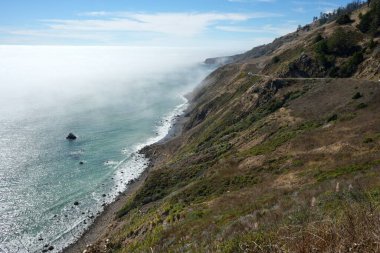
(71, 137)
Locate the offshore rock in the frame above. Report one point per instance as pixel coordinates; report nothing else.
(71, 137)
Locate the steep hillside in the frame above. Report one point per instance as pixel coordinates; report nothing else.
(264, 159)
(274, 156)
(338, 49)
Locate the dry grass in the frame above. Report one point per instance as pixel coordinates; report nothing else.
(355, 227)
(358, 230)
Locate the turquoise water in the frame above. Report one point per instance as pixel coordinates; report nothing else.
(116, 100)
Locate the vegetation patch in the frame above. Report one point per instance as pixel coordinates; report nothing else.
(357, 95)
(272, 144)
(344, 170)
(215, 186)
(333, 117)
(344, 19)
(275, 59)
(161, 182)
(370, 21)
(326, 17)
(361, 106)
(293, 95)
(341, 43)
(347, 116)
(255, 241)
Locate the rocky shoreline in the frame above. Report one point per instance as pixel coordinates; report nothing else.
(108, 218)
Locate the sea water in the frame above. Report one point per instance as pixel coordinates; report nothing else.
(115, 99)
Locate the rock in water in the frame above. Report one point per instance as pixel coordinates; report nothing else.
(71, 137)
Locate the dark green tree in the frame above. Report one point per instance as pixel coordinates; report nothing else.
(344, 19)
(318, 38)
(370, 22)
(341, 43)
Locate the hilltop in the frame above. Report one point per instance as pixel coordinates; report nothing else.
(278, 152)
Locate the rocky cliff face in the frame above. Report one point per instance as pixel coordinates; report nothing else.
(274, 156)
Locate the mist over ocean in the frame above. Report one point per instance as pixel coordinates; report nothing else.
(115, 99)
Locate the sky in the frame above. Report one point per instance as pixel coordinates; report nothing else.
(239, 24)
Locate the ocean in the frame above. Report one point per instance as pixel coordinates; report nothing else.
(115, 99)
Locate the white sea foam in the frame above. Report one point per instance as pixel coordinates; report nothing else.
(133, 166)
(126, 170)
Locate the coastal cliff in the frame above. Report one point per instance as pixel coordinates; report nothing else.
(278, 152)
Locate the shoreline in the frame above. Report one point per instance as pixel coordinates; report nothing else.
(107, 218)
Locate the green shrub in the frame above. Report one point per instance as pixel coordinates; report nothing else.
(361, 106)
(372, 44)
(322, 51)
(215, 186)
(357, 95)
(334, 72)
(341, 43)
(370, 21)
(368, 140)
(275, 59)
(242, 75)
(365, 23)
(293, 95)
(357, 58)
(350, 66)
(340, 171)
(344, 19)
(333, 118)
(318, 38)
(273, 143)
(161, 182)
(321, 47)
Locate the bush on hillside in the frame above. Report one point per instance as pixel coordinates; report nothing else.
(344, 19)
(349, 67)
(341, 43)
(372, 44)
(361, 106)
(357, 58)
(334, 72)
(321, 47)
(333, 118)
(365, 22)
(275, 59)
(370, 22)
(357, 95)
(326, 61)
(318, 38)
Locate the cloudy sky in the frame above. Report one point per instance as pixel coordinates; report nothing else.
(163, 23)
